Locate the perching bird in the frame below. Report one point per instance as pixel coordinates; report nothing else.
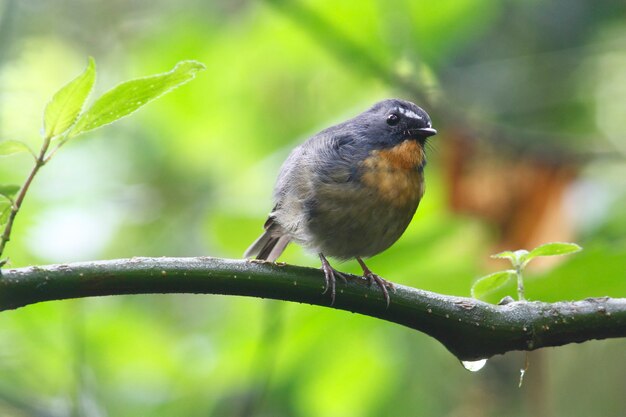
(351, 190)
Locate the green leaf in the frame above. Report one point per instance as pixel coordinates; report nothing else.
(9, 147)
(66, 105)
(504, 255)
(553, 249)
(489, 283)
(517, 257)
(5, 209)
(129, 96)
(9, 190)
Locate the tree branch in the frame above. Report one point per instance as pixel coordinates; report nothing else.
(468, 328)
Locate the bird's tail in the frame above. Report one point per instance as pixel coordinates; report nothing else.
(270, 245)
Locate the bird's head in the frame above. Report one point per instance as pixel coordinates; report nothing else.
(390, 122)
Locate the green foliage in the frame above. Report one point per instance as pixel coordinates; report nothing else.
(129, 96)
(5, 209)
(513, 256)
(9, 147)
(552, 249)
(66, 105)
(8, 191)
(64, 110)
(488, 284)
(521, 257)
(62, 117)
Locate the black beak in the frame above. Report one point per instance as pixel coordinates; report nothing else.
(426, 132)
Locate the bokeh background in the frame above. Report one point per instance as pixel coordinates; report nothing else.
(530, 101)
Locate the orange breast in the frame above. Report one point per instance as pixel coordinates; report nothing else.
(407, 155)
(394, 173)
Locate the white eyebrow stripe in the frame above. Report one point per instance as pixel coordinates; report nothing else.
(410, 113)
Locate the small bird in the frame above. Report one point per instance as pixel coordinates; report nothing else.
(351, 190)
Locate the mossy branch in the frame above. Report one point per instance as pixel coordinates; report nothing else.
(468, 328)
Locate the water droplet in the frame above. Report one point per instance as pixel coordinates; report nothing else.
(522, 372)
(474, 366)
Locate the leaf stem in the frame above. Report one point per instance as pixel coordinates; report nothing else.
(520, 282)
(40, 161)
(61, 142)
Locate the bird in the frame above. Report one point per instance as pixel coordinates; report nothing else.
(351, 190)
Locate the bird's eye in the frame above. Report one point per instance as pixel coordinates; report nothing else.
(393, 119)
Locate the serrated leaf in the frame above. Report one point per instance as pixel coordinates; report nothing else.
(9, 147)
(516, 257)
(489, 283)
(129, 96)
(67, 103)
(553, 249)
(9, 190)
(504, 255)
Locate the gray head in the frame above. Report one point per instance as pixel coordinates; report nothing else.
(392, 121)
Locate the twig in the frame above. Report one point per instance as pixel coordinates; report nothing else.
(40, 161)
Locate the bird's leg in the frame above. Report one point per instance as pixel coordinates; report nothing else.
(372, 277)
(329, 277)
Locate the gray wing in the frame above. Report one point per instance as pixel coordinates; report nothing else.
(322, 167)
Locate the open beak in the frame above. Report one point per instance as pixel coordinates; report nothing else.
(426, 132)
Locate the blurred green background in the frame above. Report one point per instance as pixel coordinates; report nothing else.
(530, 101)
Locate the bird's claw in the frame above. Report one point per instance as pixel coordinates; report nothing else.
(371, 277)
(330, 275)
(382, 283)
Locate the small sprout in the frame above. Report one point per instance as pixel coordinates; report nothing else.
(519, 259)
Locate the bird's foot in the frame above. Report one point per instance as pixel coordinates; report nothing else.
(330, 275)
(371, 277)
